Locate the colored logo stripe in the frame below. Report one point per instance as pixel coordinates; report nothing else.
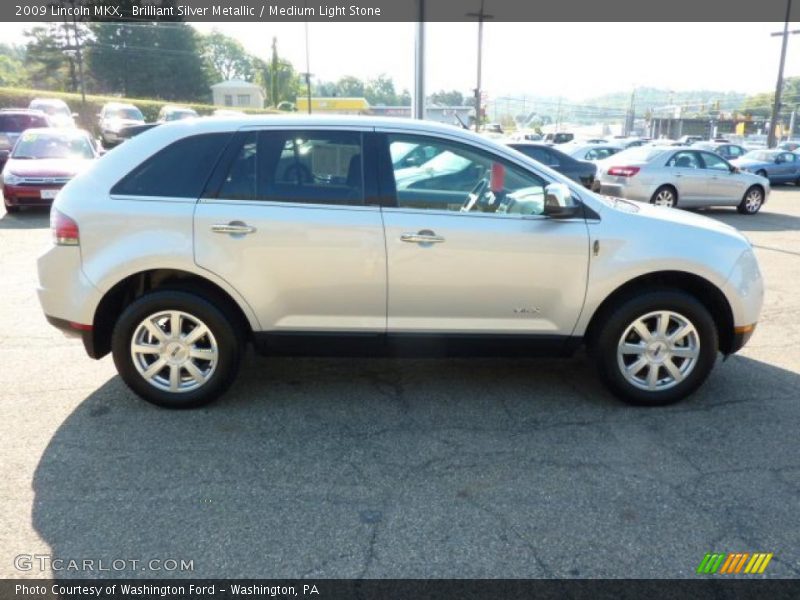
(734, 562)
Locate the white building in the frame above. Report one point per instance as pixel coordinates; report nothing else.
(237, 93)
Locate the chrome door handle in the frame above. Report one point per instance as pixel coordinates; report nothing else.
(423, 237)
(234, 228)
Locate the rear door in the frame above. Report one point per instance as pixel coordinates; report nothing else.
(480, 259)
(285, 221)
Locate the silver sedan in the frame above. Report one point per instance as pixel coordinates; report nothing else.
(680, 176)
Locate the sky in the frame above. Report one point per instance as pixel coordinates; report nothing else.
(572, 60)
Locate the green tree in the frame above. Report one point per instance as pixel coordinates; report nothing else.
(47, 62)
(451, 98)
(760, 105)
(150, 60)
(350, 87)
(277, 77)
(225, 58)
(381, 92)
(12, 68)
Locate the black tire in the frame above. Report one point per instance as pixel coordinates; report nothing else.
(616, 322)
(229, 344)
(11, 209)
(753, 206)
(665, 190)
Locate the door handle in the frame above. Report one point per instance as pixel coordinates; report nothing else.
(422, 237)
(234, 227)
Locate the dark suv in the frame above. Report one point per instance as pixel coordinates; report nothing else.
(13, 121)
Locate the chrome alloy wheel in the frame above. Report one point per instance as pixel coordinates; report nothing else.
(753, 200)
(174, 351)
(665, 197)
(658, 350)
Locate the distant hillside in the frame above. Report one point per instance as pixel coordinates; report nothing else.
(647, 98)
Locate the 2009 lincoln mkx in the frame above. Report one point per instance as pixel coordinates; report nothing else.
(331, 235)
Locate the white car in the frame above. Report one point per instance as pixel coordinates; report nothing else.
(56, 110)
(198, 237)
(114, 117)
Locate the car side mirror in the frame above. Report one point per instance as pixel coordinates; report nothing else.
(734, 169)
(558, 202)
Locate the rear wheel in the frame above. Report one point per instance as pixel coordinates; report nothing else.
(752, 201)
(666, 195)
(656, 348)
(11, 209)
(176, 349)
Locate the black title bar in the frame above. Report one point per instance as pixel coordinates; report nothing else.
(598, 11)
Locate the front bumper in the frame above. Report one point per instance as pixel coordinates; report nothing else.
(28, 195)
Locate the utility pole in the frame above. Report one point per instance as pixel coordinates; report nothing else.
(79, 56)
(481, 16)
(418, 99)
(307, 74)
(779, 85)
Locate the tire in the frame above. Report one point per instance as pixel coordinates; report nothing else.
(666, 195)
(613, 347)
(761, 173)
(218, 350)
(11, 209)
(752, 201)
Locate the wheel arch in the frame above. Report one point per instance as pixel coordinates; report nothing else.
(135, 285)
(703, 290)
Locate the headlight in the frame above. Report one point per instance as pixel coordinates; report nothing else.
(11, 178)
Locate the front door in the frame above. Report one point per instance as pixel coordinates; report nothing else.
(724, 185)
(470, 252)
(287, 226)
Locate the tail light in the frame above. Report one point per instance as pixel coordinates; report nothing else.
(65, 230)
(623, 171)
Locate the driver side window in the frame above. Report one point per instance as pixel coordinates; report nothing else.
(461, 178)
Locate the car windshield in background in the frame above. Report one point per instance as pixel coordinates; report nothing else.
(53, 110)
(14, 123)
(125, 113)
(177, 115)
(45, 145)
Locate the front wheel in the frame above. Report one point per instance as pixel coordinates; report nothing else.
(752, 201)
(665, 196)
(656, 348)
(175, 349)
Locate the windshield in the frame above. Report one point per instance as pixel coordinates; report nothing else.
(51, 145)
(54, 110)
(177, 115)
(16, 123)
(124, 113)
(399, 149)
(446, 161)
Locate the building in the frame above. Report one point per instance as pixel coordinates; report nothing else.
(334, 106)
(237, 93)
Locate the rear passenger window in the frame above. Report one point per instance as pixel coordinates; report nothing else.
(310, 167)
(178, 171)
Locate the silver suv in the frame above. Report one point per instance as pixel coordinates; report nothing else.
(298, 234)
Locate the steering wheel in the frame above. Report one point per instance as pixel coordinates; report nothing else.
(476, 194)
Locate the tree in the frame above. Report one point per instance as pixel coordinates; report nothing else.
(381, 91)
(149, 60)
(451, 98)
(226, 58)
(46, 61)
(760, 105)
(278, 77)
(350, 87)
(12, 69)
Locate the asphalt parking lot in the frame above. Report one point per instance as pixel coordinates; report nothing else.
(374, 468)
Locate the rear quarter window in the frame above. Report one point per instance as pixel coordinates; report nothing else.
(178, 171)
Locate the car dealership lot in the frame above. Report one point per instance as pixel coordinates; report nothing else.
(401, 468)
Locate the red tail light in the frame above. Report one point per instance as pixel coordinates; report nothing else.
(623, 171)
(65, 230)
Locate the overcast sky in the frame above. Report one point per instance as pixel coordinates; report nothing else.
(574, 60)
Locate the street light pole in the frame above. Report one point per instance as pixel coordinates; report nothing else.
(308, 72)
(481, 16)
(418, 99)
(776, 107)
